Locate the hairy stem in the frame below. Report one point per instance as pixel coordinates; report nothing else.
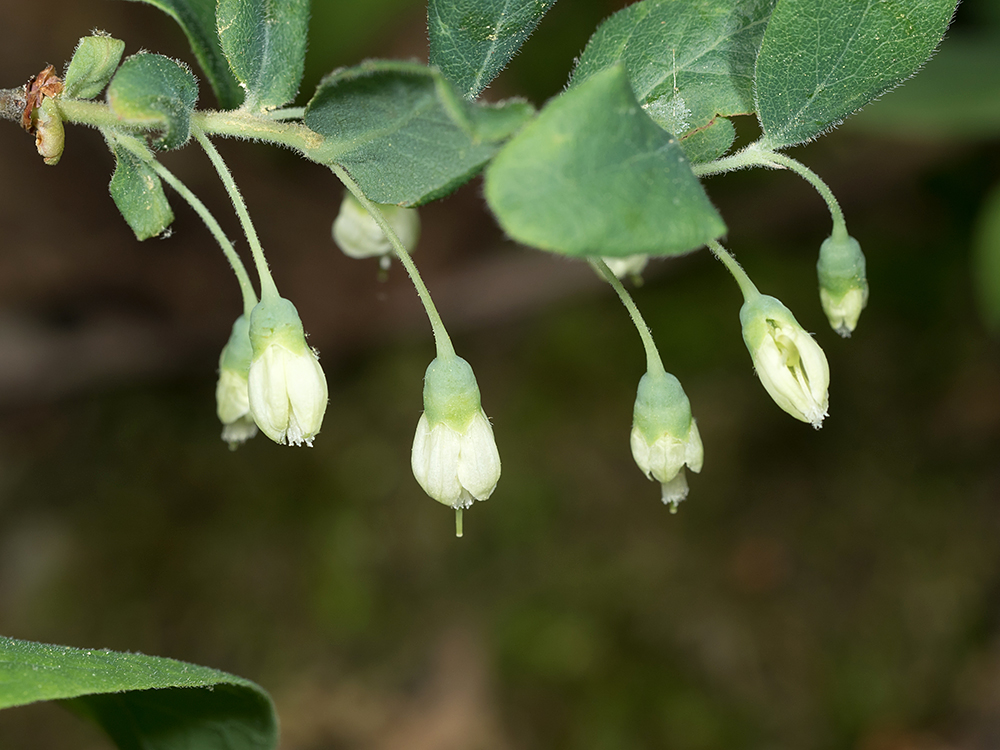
(653, 362)
(441, 338)
(268, 289)
(139, 148)
(746, 285)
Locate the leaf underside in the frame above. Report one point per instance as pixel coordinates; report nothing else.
(593, 175)
(143, 702)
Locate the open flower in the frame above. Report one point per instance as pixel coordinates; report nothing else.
(286, 386)
(455, 458)
(790, 364)
(843, 282)
(232, 402)
(665, 437)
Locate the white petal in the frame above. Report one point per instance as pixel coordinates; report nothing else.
(479, 459)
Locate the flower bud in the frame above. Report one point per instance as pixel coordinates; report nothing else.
(665, 437)
(629, 265)
(790, 364)
(843, 285)
(286, 386)
(359, 236)
(232, 403)
(455, 457)
(50, 135)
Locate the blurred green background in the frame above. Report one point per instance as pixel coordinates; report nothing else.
(832, 589)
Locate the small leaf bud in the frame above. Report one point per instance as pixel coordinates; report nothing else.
(50, 135)
(455, 458)
(286, 386)
(665, 437)
(94, 62)
(843, 284)
(232, 402)
(790, 364)
(359, 236)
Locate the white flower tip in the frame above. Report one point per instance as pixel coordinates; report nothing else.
(674, 491)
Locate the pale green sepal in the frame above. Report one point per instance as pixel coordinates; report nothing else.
(451, 393)
(94, 62)
(661, 405)
(843, 282)
(276, 321)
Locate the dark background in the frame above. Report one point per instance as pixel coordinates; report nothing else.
(832, 589)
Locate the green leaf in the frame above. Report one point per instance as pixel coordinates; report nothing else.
(197, 20)
(143, 702)
(138, 192)
(404, 133)
(265, 43)
(690, 63)
(820, 61)
(593, 175)
(156, 93)
(986, 260)
(92, 66)
(471, 41)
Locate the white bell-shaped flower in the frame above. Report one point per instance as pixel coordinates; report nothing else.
(665, 438)
(630, 266)
(286, 386)
(455, 458)
(232, 402)
(789, 362)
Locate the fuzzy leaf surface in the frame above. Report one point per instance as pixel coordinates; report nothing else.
(690, 64)
(156, 93)
(822, 60)
(142, 702)
(138, 193)
(471, 41)
(593, 175)
(94, 62)
(403, 131)
(265, 43)
(197, 20)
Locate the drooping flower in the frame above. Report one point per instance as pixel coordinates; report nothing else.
(790, 364)
(843, 282)
(232, 404)
(454, 458)
(665, 437)
(286, 386)
(359, 236)
(628, 266)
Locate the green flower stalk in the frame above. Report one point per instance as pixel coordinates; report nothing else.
(843, 282)
(286, 387)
